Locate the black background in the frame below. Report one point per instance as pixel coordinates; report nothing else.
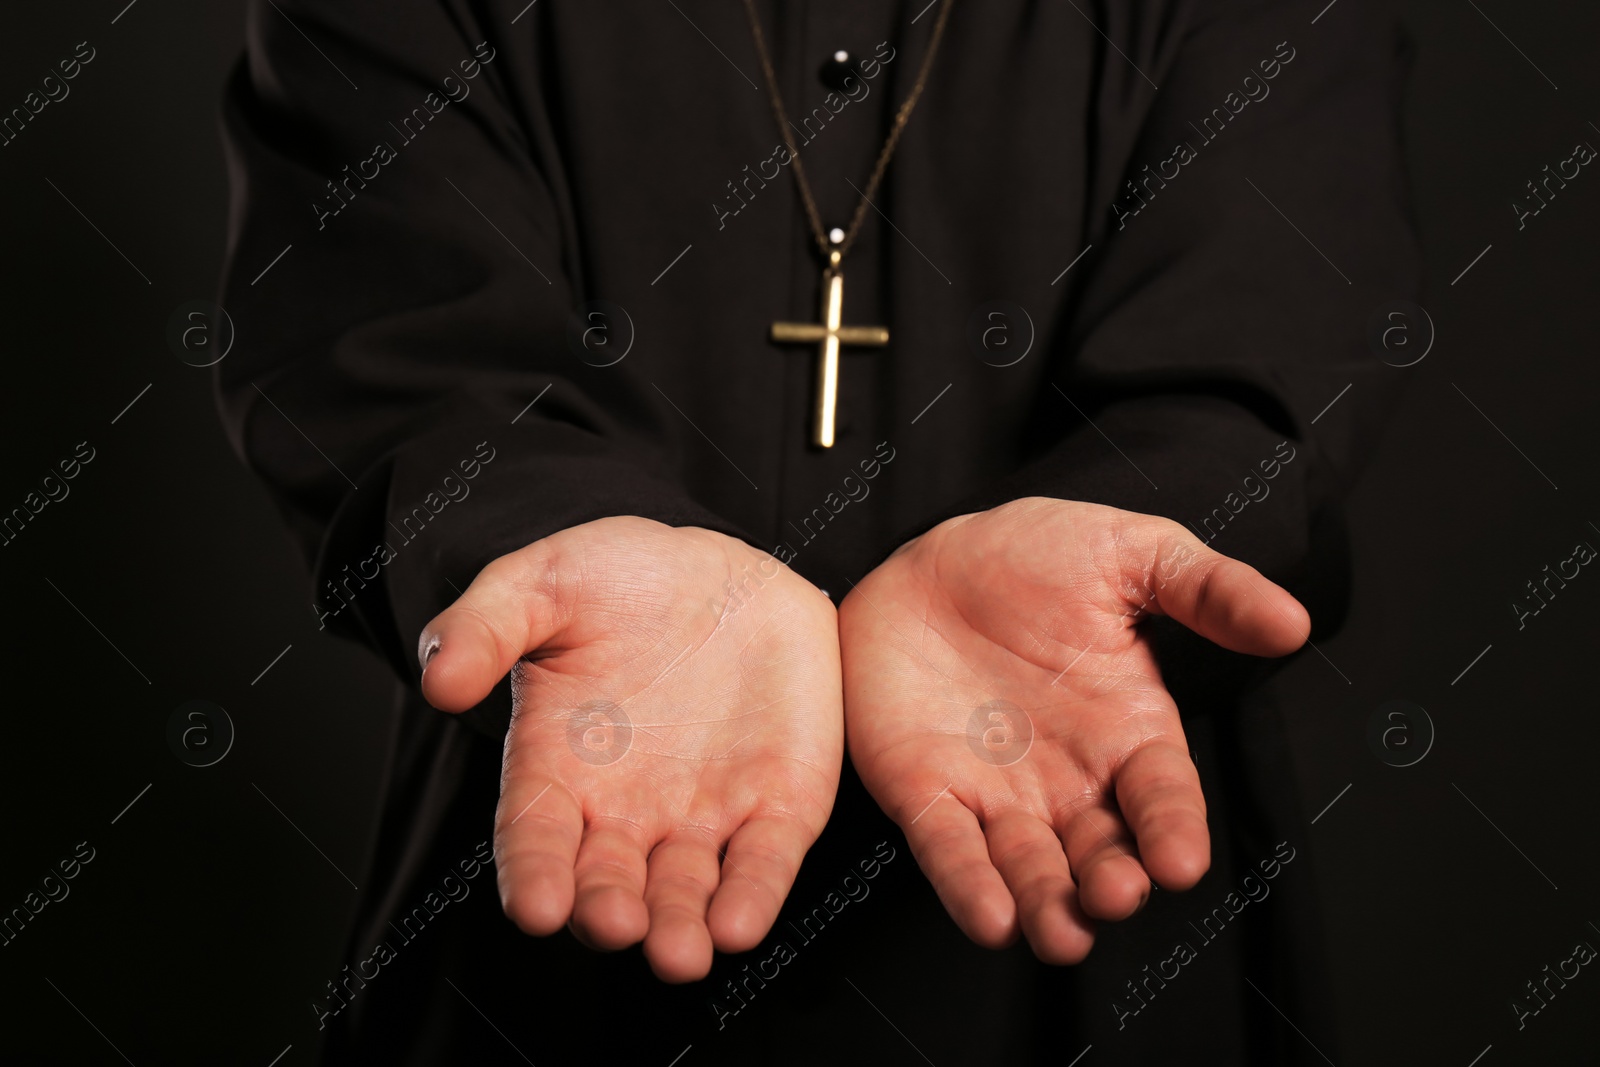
(207, 919)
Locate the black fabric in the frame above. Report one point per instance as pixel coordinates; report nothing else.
(591, 157)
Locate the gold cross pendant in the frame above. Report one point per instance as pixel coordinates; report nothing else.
(829, 336)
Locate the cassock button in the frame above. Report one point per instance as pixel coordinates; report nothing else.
(839, 66)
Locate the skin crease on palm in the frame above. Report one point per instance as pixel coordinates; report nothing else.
(687, 826)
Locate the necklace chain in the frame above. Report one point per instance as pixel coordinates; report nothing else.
(829, 252)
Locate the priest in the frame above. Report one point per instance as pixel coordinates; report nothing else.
(733, 537)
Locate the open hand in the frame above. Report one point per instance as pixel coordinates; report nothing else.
(676, 736)
(1004, 708)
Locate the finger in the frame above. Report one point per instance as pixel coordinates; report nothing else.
(1101, 853)
(763, 858)
(608, 910)
(537, 830)
(682, 876)
(948, 842)
(1029, 857)
(508, 610)
(1222, 599)
(1158, 790)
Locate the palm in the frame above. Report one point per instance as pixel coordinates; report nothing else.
(659, 726)
(663, 748)
(1003, 707)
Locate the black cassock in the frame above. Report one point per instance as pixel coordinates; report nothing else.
(544, 245)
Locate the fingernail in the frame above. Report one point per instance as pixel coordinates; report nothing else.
(428, 648)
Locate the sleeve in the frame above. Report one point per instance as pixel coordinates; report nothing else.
(1221, 331)
(400, 275)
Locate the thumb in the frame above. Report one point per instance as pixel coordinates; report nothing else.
(504, 614)
(1223, 600)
